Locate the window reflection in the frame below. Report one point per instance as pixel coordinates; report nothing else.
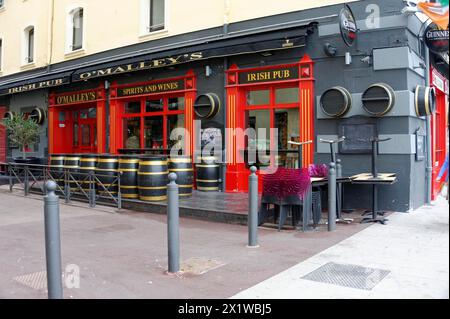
(153, 132)
(131, 132)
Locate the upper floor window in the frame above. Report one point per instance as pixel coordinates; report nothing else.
(29, 45)
(153, 16)
(74, 30)
(1, 50)
(2, 2)
(77, 29)
(156, 15)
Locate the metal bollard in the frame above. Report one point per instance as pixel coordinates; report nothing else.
(252, 208)
(338, 168)
(52, 242)
(173, 224)
(332, 197)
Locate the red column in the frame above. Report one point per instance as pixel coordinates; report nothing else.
(307, 108)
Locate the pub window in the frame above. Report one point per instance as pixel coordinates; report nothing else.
(75, 30)
(28, 45)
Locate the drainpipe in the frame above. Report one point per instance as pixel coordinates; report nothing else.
(51, 17)
(226, 16)
(429, 165)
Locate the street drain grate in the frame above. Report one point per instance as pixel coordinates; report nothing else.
(346, 275)
(200, 265)
(37, 280)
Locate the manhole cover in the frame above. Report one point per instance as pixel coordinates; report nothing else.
(352, 276)
(37, 280)
(199, 265)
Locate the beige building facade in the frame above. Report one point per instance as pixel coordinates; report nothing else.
(109, 24)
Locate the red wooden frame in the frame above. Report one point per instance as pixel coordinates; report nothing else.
(439, 125)
(117, 104)
(237, 173)
(59, 133)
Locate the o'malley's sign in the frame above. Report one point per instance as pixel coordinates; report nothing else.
(137, 66)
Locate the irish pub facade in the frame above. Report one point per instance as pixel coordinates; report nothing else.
(304, 72)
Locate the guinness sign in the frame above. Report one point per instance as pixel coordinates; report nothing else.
(436, 39)
(347, 24)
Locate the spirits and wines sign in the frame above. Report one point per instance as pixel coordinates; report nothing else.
(151, 88)
(436, 39)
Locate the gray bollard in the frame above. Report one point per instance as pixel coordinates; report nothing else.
(52, 242)
(332, 197)
(338, 168)
(173, 224)
(252, 208)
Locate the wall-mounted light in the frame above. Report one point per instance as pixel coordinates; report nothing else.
(266, 54)
(348, 58)
(208, 70)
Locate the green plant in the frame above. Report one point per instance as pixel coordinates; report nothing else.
(22, 131)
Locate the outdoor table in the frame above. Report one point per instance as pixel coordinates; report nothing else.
(369, 179)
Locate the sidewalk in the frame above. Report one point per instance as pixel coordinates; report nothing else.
(412, 252)
(124, 255)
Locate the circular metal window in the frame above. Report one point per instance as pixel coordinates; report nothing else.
(207, 105)
(336, 101)
(378, 99)
(425, 100)
(38, 115)
(8, 115)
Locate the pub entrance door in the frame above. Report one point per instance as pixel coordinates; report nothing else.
(84, 130)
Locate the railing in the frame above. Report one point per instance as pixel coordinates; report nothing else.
(69, 181)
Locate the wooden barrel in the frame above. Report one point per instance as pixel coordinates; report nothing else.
(182, 166)
(106, 172)
(57, 168)
(208, 174)
(88, 162)
(72, 163)
(153, 178)
(129, 166)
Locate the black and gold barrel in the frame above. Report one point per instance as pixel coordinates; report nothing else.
(208, 174)
(72, 166)
(56, 162)
(88, 163)
(153, 178)
(129, 166)
(182, 166)
(106, 172)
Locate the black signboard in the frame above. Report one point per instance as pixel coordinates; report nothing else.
(269, 75)
(436, 39)
(151, 88)
(347, 24)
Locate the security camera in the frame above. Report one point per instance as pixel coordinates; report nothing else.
(366, 60)
(329, 49)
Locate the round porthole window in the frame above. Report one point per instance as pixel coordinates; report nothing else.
(38, 115)
(425, 100)
(8, 115)
(378, 99)
(336, 101)
(207, 105)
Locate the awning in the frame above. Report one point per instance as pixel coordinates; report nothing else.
(225, 47)
(36, 83)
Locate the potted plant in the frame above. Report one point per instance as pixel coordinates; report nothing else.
(22, 132)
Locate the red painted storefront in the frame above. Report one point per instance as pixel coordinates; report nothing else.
(439, 125)
(271, 79)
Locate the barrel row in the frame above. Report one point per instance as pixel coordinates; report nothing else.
(142, 177)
